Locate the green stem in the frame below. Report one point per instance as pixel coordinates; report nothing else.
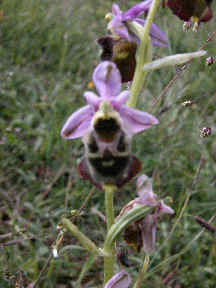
(150, 19)
(109, 189)
(142, 57)
(142, 273)
(137, 84)
(109, 261)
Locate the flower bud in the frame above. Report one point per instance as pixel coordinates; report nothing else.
(108, 17)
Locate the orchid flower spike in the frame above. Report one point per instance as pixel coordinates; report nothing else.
(107, 80)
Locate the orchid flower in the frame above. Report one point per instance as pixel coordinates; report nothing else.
(143, 232)
(125, 31)
(107, 80)
(118, 26)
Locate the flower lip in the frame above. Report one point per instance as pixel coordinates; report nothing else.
(106, 122)
(106, 128)
(108, 162)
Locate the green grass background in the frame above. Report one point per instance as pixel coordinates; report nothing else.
(47, 56)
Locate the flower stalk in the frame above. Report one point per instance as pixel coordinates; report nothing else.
(110, 260)
(143, 57)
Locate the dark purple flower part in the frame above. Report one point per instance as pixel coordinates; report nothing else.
(122, 53)
(118, 26)
(119, 280)
(187, 9)
(107, 80)
(108, 158)
(142, 234)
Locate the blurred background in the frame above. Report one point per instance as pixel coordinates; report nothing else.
(48, 53)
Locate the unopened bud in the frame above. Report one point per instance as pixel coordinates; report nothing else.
(209, 61)
(205, 132)
(108, 17)
(90, 85)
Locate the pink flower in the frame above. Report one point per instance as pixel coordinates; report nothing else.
(107, 80)
(143, 232)
(118, 25)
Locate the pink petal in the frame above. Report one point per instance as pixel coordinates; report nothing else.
(158, 37)
(116, 26)
(146, 195)
(165, 209)
(92, 99)
(148, 232)
(78, 123)
(142, 179)
(135, 120)
(137, 10)
(119, 280)
(116, 10)
(107, 79)
(121, 99)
